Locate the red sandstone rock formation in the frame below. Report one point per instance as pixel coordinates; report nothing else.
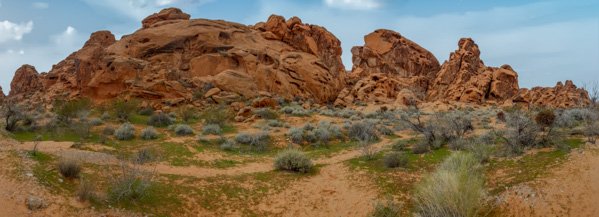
(465, 78)
(172, 57)
(560, 96)
(387, 68)
(2, 96)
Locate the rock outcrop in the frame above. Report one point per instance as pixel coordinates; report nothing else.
(560, 96)
(2, 96)
(171, 57)
(26, 81)
(387, 68)
(465, 78)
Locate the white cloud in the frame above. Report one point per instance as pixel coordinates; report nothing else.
(139, 9)
(542, 52)
(42, 56)
(40, 5)
(353, 4)
(12, 31)
(164, 2)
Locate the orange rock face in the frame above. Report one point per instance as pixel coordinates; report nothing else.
(465, 78)
(2, 96)
(560, 96)
(25, 82)
(387, 68)
(171, 57)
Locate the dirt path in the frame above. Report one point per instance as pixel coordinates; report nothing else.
(571, 190)
(333, 192)
(202, 172)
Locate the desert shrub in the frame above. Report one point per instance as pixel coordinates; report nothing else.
(275, 123)
(310, 136)
(571, 117)
(105, 116)
(295, 110)
(187, 113)
(521, 132)
(149, 133)
(144, 155)
(123, 109)
(146, 111)
(420, 148)
(296, 135)
(386, 209)
(481, 148)
(227, 145)
(108, 130)
(96, 121)
(308, 127)
(399, 145)
(256, 142)
(458, 144)
(545, 118)
(323, 135)
(456, 188)
(213, 129)
(363, 131)
(86, 191)
(67, 110)
(591, 131)
(13, 115)
(501, 116)
(293, 160)
(216, 115)
(69, 168)
(395, 159)
(160, 120)
(125, 132)
(385, 131)
(266, 113)
(131, 184)
(347, 113)
(183, 130)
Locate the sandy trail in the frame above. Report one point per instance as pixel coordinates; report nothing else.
(571, 190)
(256, 167)
(333, 192)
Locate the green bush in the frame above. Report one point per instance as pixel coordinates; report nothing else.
(143, 156)
(147, 111)
(132, 185)
(266, 113)
(256, 142)
(123, 109)
(217, 115)
(213, 129)
(149, 133)
(69, 169)
(67, 110)
(125, 132)
(387, 209)
(96, 122)
(227, 145)
(363, 131)
(395, 159)
(293, 160)
(160, 120)
(456, 188)
(183, 130)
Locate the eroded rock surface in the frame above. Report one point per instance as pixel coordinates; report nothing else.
(560, 96)
(172, 57)
(387, 68)
(465, 78)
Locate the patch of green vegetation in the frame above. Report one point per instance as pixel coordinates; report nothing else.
(427, 160)
(40, 157)
(47, 175)
(67, 135)
(139, 119)
(328, 150)
(223, 163)
(176, 154)
(161, 199)
(229, 129)
(527, 168)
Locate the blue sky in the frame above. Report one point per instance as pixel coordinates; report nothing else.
(544, 41)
